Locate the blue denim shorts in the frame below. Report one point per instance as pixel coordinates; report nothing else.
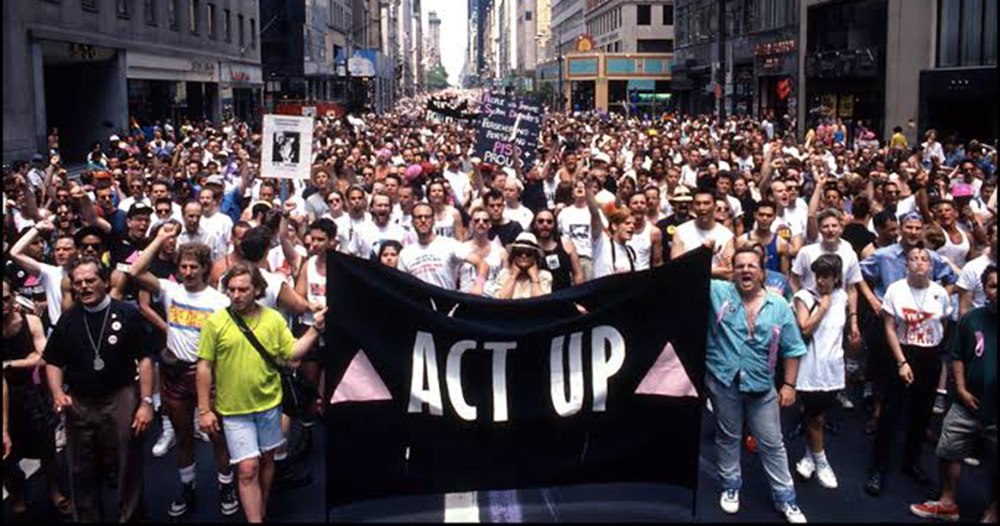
(250, 436)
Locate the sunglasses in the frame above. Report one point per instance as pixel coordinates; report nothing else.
(523, 254)
(481, 220)
(423, 218)
(544, 222)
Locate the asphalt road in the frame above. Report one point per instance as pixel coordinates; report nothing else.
(597, 503)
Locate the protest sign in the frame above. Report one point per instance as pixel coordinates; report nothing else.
(508, 129)
(288, 147)
(432, 391)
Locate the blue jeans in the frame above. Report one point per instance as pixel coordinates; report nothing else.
(761, 411)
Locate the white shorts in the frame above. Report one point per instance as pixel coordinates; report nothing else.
(250, 436)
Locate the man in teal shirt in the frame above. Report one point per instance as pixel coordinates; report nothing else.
(749, 331)
(974, 416)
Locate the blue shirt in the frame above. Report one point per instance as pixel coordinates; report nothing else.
(733, 351)
(888, 265)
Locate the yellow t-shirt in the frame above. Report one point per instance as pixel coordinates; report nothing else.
(244, 382)
(899, 141)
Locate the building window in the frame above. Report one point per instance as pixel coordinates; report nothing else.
(307, 45)
(172, 14)
(527, 16)
(644, 14)
(194, 12)
(966, 36)
(150, 11)
(253, 33)
(227, 24)
(211, 22)
(89, 5)
(121, 8)
(239, 27)
(668, 15)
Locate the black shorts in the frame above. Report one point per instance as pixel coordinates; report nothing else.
(315, 354)
(818, 403)
(32, 421)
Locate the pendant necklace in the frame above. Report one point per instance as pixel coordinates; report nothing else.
(98, 361)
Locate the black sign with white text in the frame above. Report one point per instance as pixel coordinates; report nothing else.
(508, 128)
(431, 391)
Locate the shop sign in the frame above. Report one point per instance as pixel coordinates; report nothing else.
(845, 108)
(781, 47)
(583, 67)
(784, 88)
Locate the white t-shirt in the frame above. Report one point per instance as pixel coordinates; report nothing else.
(437, 263)
(219, 225)
(521, 214)
(186, 314)
(612, 258)
(368, 238)
(468, 274)
(822, 368)
(802, 266)
(919, 314)
(343, 231)
(971, 279)
(460, 184)
(693, 238)
(51, 278)
(574, 223)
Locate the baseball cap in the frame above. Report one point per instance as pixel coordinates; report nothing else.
(139, 209)
(89, 230)
(912, 216)
(681, 195)
(102, 174)
(37, 158)
(215, 180)
(113, 139)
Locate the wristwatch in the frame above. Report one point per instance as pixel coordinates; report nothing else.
(148, 400)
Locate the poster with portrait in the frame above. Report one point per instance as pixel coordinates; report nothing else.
(288, 147)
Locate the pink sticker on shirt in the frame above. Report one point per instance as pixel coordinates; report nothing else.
(772, 360)
(980, 344)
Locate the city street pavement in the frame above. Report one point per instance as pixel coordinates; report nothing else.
(604, 503)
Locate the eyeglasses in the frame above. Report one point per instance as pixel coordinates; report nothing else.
(163, 212)
(481, 221)
(544, 222)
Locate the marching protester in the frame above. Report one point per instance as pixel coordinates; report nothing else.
(973, 416)
(746, 318)
(822, 312)
(187, 305)
(523, 278)
(110, 377)
(237, 351)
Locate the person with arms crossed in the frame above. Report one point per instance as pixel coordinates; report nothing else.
(437, 260)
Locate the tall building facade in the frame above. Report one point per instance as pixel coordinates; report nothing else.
(754, 73)
(888, 63)
(630, 26)
(433, 41)
(567, 24)
(85, 67)
(533, 36)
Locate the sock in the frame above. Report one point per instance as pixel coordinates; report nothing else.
(280, 456)
(168, 427)
(187, 475)
(942, 392)
(226, 479)
(820, 459)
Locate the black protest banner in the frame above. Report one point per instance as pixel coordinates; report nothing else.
(452, 107)
(434, 392)
(508, 128)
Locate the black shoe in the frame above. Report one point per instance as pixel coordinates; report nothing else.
(917, 474)
(183, 503)
(875, 484)
(285, 477)
(229, 500)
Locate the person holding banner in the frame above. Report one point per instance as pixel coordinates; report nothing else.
(749, 330)
(248, 389)
(437, 260)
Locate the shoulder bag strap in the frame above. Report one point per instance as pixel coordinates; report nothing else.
(252, 339)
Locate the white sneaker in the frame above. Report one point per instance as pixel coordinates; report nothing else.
(973, 462)
(163, 444)
(61, 434)
(845, 403)
(806, 467)
(792, 513)
(730, 502)
(827, 478)
(201, 435)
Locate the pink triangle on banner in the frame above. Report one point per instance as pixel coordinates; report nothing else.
(667, 377)
(361, 383)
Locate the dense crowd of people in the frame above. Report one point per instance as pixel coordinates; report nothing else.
(171, 280)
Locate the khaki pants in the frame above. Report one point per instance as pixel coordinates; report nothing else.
(99, 438)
